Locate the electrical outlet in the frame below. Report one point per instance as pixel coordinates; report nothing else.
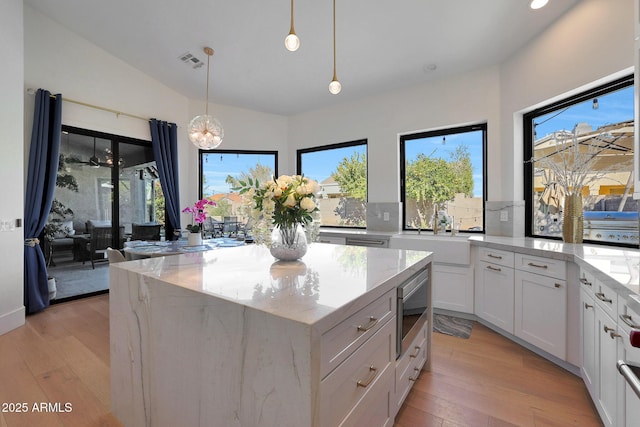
(386, 216)
(504, 215)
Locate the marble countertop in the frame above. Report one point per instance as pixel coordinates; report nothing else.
(616, 267)
(330, 279)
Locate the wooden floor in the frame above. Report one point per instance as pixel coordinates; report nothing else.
(61, 356)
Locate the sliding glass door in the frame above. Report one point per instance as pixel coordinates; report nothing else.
(105, 184)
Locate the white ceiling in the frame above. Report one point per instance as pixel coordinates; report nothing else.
(381, 45)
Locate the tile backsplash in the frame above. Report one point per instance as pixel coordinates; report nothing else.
(384, 216)
(504, 218)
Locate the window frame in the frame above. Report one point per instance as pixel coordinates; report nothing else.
(528, 140)
(443, 132)
(230, 151)
(354, 143)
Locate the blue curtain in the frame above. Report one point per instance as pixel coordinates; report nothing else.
(164, 140)
(41, 183)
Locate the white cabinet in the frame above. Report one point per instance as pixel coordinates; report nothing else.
(606, 323)
(607, 349)
(494, 297)
(628, 320)
(541, 303)
(453, 287)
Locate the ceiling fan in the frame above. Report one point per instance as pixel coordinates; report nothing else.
(94, 161)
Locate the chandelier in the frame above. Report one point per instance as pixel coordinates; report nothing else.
(205, 131)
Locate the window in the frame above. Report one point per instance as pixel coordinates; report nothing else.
(600, 124)
(444, 170)
(222, 169)
(341, 171)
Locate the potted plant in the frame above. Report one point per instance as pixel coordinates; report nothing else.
(199, 215)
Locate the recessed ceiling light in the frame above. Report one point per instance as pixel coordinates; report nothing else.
(537, 4)
(427, 68)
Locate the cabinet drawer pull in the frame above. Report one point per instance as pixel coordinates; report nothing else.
(614, 335)
(538, 265)
(494, 256)
(629, 321)
(603, 298)
(587, 306)
(608, 329)
(372, 322)
(584, 281)
(373, 371)
(416, 354)
(490, 267)
(557, 285)
(417, 371)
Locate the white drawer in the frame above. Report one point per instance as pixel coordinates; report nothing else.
(628, 319)
(496, 256)
(606, 298)
(408, 367)
(341, 340)
(365, 372)
(539, 265)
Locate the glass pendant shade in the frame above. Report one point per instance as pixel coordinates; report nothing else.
(335, 87)
(292, 42)
(205, 132)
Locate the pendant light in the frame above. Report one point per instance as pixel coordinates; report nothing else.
(292, 42)
(334, 87)
(206, 131)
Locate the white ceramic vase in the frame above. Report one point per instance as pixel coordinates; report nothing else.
(195, 239)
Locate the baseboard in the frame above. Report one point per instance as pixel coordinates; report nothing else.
(12, 320)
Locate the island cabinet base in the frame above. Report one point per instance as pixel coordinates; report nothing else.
(180, 357)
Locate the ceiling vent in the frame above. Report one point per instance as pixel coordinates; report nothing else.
(191, 60)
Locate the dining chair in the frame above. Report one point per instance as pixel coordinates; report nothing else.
(145, 231)
(98, 243)
(230, 225)
(114, 256)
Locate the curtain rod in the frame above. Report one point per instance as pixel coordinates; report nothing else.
(30, 91)
(110, 110)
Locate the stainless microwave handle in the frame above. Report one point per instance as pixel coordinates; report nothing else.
(408, 288)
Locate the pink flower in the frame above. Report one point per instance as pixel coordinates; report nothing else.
(198, 212)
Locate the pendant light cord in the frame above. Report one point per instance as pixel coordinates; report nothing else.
(206, 108)
(291, 30)
(334, 40)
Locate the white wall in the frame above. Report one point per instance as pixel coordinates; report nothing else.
(590, 45)
(11, 164)
(464, 99)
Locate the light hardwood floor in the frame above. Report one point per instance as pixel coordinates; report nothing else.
(62, 356)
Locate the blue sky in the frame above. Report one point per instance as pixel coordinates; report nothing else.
(614, 107)
(217, 166)
(319, 165)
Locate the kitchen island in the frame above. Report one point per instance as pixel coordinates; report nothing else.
(233, 338)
